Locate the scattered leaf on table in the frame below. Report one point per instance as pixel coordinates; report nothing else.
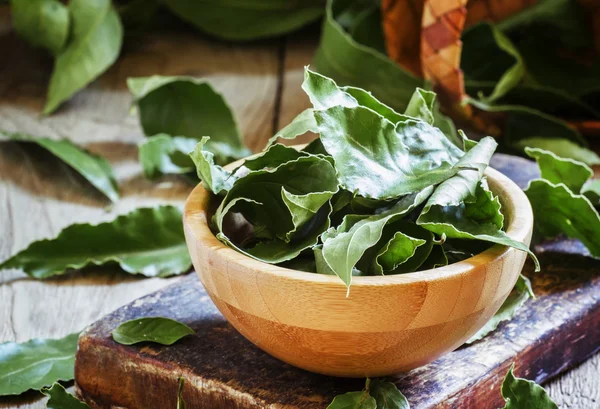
(340, 57)
(572, 214)
(93, 168)
(562, 147)
(188, 107)
(387, 395)
(353, 400)
(160, 330)
(163, 154)
(61, 399)
(93, 46)
(560, 170)
(146, 241)
(521, 393)
(247, 20)
(44, 23)
(520, 294)
(36, 363)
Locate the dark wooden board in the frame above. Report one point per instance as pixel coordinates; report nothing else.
(552, 333)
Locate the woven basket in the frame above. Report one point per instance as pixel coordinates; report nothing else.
(432, 49)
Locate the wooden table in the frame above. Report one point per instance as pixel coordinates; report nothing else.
(39, 196)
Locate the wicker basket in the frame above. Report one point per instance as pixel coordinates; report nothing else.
(432, 49)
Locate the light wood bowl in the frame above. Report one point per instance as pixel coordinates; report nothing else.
(388, 324)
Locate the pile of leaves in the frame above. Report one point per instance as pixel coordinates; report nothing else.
(530, 78)
(378, 193)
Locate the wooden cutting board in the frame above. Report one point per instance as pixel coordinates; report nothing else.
(550, 334)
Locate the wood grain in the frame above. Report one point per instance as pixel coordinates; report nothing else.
(39, 196)
(225, 371)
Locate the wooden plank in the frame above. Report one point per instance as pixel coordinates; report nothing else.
(39, 195)
(549, 335)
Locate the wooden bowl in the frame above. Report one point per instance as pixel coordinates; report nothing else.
(388, 324)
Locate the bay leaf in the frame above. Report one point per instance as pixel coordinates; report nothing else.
(247, 20)
(146, 241)
(159, 330)
(562, 147)
(387, 395)
(43, 23)
(36, 363)
(343, 246)
(521, 393)
(342, 58)
(188, 107)
(301, 124)
(164, 154)
(353, 400)
(95, 169)
(61, 399)
(392, 167)
(303, 176)
(213, 177)
(572, 214)
(95, 42)
(556, 170)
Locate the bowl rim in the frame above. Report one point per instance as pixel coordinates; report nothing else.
(519, 221)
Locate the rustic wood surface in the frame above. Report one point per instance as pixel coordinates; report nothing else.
(223, 370)
(39, 195)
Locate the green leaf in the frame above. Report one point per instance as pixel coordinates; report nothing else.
(520, 294)
(274, 156)
(247, 20)
(164, 154)
(213, 177)
(387, 395)
(160, 330)
(404, 158)
(303, 207)
(521, 393)
(571, 214)
(188, 107)
(591, 190)
(93, 168)
(560, 170)
(61, 399)
(405, 251)
(353, 400)
(180, 401)
(420, 105)
(324, 93)
(490, 55)
(43, 23)
(94, 45)
(344, 246)
(342, 58)
(146, 241)
(304, 176)
(463, 207)
(303, 123)
(563, 148)
(36, 363)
